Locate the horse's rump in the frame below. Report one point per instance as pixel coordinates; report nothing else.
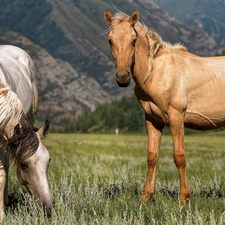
(17, 72)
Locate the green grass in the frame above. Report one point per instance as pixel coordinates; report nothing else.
(100, 181)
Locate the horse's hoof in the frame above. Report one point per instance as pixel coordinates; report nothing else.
(148, 197)
(185, 199)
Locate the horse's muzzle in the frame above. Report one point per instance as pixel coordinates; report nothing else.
(123, 80)
(47, 207)
(123, 84)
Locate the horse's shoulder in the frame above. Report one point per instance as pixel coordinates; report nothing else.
(173, 59)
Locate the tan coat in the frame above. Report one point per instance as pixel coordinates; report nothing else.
(173, 86)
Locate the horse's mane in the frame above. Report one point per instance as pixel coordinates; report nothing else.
(11, 108)
(24, 142)
(154, 40)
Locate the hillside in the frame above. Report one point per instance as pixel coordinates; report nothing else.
(73, 61)
(63, 92)
(207, 15)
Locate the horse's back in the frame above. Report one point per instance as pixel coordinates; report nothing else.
(18, 72)
(196, 85)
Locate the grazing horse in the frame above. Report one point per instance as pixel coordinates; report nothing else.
(173, 86)
(19, 139)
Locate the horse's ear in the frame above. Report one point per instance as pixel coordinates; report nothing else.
(18, 130)
(134, 17)
(108, 17)
(43, 131)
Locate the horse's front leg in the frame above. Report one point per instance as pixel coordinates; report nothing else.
(176, 122)
(6, 167)
(2, 182)
(154, 138)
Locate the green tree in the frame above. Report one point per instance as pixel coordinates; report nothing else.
(222, 53)
(119, 114)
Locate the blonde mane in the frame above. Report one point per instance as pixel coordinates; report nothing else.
(11, 108)
(154, 40)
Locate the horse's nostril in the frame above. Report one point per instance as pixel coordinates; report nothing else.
(47, 207)
(47, 211)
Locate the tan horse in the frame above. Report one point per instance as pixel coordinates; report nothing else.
(173, 86)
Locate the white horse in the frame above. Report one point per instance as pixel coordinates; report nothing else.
(19, 139)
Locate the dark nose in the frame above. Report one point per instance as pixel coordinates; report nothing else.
(47, 207)
(123, 78)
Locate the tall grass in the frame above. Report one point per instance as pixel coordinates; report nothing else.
(100, 179)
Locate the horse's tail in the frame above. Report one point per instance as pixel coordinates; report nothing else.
(32, 74)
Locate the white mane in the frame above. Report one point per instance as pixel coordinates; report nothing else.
(11, 108)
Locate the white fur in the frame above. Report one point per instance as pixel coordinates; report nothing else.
(18, 95)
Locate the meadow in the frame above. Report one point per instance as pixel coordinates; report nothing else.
(99, 179)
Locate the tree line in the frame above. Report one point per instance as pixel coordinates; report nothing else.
(125, 114)
(220, 54)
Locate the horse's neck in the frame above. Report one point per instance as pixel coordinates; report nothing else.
(142, 66)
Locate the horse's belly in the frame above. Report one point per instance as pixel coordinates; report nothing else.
(201, 121)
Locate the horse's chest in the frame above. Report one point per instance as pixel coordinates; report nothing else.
(153, 111)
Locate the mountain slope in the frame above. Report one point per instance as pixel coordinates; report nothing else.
(63, 92)
(74, 66)
(207, 15)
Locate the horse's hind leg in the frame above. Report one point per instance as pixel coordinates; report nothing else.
(177, 130)
(154, 138)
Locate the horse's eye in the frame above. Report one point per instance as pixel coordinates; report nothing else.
(133, 43)
(110, 42)
(23, 166)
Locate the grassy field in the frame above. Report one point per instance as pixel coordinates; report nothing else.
(98, 179)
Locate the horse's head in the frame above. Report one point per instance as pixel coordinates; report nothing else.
(122, 39)
(32, 160)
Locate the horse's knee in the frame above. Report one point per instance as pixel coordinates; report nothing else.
(179, 160)
(152, 158)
